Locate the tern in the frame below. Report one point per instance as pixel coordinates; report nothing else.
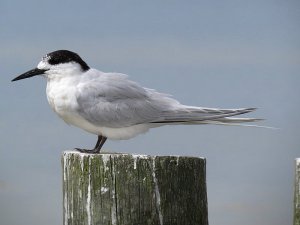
(111, 106)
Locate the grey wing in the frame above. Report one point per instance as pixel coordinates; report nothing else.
(111, 100)
(114, 101)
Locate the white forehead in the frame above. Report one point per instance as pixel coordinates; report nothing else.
(46, 58)
(43, 64)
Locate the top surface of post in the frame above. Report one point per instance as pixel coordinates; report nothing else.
(104, 153)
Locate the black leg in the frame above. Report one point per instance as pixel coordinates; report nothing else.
(100, 142)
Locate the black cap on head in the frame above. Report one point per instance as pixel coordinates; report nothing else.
(54, 58)
(65, 56)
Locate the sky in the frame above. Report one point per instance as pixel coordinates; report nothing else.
(226, 54)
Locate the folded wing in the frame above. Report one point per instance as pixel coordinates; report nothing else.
(112, 100)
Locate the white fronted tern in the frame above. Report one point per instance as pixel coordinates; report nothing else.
(111, 106)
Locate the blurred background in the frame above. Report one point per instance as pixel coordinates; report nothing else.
(207, 53)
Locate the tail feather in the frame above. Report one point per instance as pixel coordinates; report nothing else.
(196, 115)
(239, 124)
(238, 120)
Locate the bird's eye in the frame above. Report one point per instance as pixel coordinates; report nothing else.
(53, 61)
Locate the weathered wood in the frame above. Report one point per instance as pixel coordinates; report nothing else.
(124, 189)
(297, 194)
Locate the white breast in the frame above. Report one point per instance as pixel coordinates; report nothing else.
(61, 97)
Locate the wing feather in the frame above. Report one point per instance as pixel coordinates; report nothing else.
(112, 100)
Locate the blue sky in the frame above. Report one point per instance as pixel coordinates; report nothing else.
(208, 53)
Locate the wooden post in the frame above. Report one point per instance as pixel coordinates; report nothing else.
(297, 194)
(126, 189)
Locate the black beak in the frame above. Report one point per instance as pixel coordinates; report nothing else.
(30, 73)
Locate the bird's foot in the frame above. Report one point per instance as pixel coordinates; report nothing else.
(97, 148)
(88, 151)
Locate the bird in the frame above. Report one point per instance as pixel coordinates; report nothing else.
(112, 106)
